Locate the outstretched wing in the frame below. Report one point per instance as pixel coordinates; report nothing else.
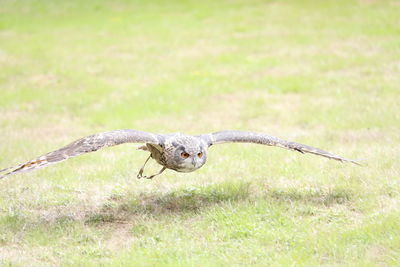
(85, 145)
(265, 139)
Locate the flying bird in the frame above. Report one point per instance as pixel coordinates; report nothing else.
(178, 152)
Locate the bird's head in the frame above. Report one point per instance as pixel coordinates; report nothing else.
(189, 153)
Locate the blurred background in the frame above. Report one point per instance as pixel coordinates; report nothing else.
(159, 65)
(325, 73)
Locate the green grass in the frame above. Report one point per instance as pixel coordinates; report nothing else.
(325, 73)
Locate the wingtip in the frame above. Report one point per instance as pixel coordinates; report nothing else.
(356, 162)
(7, 173)
(3, 170)
(4, 175)
(12, 172)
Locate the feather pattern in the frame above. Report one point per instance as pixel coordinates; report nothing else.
(179, 152)
(265, 139)
(84, 145)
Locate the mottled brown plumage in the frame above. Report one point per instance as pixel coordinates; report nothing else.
(179, 152)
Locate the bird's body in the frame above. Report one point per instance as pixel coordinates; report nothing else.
(169, 153)
(178, 152)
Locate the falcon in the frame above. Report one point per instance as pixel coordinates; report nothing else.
(178, 152)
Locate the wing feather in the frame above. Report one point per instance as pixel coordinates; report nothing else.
(265, 139)
(85, 145)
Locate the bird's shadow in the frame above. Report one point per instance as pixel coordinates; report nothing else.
(178, 202)
(128, 207)
(124, 208)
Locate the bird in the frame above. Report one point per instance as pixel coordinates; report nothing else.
(176, 151)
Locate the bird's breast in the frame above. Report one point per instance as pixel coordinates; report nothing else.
(185, 169)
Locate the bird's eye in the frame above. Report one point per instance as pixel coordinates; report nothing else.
(184, 155)
(200, 154)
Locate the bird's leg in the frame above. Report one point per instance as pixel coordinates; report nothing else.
(152, 176)
(140, 174)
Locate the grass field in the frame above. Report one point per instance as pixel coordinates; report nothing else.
(324, 73)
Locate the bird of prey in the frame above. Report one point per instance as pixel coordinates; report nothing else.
(178, 152)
